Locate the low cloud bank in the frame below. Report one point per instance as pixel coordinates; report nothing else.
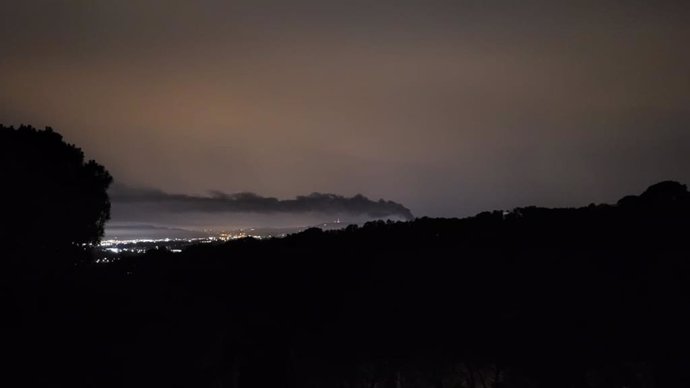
(219, 202)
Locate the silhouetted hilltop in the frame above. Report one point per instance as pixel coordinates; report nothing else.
(668, 194)
(597, 296)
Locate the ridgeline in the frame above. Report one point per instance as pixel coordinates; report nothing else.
(596, 296)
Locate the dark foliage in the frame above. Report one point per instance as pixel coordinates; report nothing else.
(591, 297)
(50, 196)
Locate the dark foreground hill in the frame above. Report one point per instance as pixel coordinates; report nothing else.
(589, 297)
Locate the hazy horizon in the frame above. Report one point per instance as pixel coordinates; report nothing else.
(448, 108)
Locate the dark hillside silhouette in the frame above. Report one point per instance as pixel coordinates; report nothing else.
(587, 297)
(590, 297)
(51, 196)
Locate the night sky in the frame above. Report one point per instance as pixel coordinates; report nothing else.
(446, 107)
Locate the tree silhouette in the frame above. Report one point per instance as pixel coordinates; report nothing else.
(589, 297)
(51, 196)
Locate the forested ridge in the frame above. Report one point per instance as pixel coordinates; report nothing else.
(595, 296)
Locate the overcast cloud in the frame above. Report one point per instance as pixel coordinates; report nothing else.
(448, 107)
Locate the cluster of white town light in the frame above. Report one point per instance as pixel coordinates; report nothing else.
(109, 243)
(225, 236)
(105, 260)
(117, 246)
